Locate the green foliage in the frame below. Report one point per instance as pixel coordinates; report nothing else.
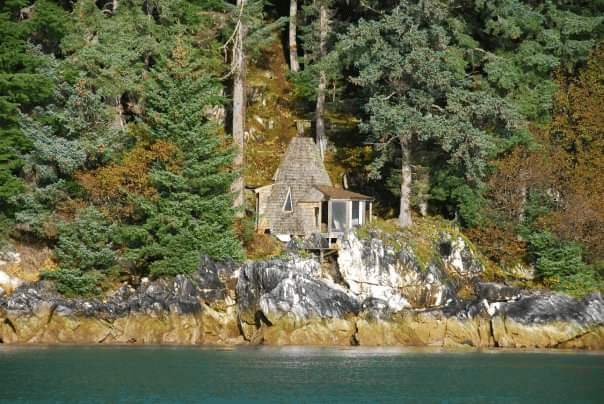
(86, 254)
(33, 210)
(553, 257)
(27, 34)
(73, 282)
(520, 43)
(260, 32)
(246, 230)
(86, 243)
(419, 97)
(579, 284)
(73, 132)
(193, 215)
(560, 264)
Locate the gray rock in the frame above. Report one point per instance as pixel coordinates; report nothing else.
(374, 271)
(184, 294)
(494, 292)
(550, 306)
(291, 287)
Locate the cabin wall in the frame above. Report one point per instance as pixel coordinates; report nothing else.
(309, 214)
(262, 220)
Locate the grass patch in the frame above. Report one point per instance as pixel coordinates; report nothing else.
(264, 246)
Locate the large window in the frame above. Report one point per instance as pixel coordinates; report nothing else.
(338, 216)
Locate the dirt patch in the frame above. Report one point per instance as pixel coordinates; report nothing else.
(33, 259)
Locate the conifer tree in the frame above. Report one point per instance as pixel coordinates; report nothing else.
(318, 39)
(250, 34)
(294, 66)
(193, 214)
(418, 93)
(28, 32)
(238, 70)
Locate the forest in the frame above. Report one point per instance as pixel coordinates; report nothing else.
(129, 131)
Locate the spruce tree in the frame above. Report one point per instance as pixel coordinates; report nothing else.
(193, 212)
(28, 32)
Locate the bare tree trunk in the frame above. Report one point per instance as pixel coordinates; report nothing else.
(293, 46)
(239, 66)
(405, 213)
(320, 109)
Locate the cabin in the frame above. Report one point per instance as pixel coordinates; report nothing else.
(301, 201)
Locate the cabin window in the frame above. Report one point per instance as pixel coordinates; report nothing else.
(338, 216)
(317, 218)
(355, 214)
(288, 206)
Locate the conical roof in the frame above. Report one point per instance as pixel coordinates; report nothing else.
(299, 174)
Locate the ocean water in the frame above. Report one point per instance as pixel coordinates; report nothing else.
(295, 375)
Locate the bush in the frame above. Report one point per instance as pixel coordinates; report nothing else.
(560, 264)
(72, 282)
(85, 244)
(553, 257)
(578, 285)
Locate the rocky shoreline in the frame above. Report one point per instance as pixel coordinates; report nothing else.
(374, 297)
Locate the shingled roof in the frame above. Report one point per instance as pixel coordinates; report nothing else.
(300, 172)
(337, 193)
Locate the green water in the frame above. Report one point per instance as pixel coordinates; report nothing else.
(295, 375)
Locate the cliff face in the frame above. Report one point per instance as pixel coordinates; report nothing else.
(381, 297)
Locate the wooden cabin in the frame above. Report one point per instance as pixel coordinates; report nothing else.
(301, 201)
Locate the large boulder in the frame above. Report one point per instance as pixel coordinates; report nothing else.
(375, 272)
(293, 288)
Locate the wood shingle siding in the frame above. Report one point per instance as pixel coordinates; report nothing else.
(300, 171)
(302, 177)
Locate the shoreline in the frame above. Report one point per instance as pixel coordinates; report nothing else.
(334, 348)
(211, 329)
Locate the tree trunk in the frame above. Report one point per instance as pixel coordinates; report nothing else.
(404, 217)
(293, 46)
(239, 113)
(320, 109)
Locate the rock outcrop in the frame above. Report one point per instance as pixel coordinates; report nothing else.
(195, 309)
(382, 297)
(292, 288)
(378, 275)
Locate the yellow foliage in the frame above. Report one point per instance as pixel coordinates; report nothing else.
(109, 184)
(567, 166)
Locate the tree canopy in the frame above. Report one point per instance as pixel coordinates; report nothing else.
(118, 115)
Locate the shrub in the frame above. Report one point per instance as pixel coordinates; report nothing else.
(560, 264)
(85, 244)
(73, 282)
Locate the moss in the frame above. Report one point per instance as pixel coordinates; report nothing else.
(271, 118)
(422, 239)
(264, 246)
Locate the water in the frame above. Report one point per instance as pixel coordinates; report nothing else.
(295, 375)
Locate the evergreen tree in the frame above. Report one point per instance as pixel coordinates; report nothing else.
(193, 213)
(28, 32)
(418, 93)
(250, 34)
(238, 70)
(294, 66)
(519, 43)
